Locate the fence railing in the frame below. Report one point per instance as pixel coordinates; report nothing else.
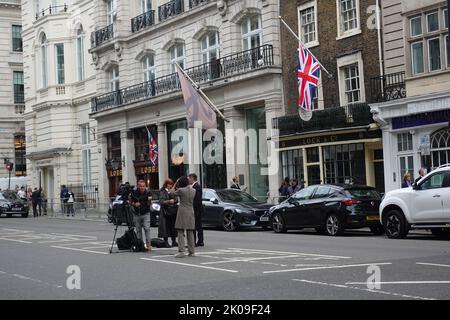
(196, 3)
(143, 21)
(51, 10)
(388, 87)
(102, 35)
(170, 9)
(233, 64)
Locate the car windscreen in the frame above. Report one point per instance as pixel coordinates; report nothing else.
(10, 196)
(2, 197)
(363, 194)
(236, 196)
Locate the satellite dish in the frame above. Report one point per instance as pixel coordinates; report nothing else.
(305, 115)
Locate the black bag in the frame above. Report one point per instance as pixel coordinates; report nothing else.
(158, 243)
(170, 210)
(130, 241)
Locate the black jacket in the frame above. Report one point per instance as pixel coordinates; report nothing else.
(36, 196)
(198, 205)
(142, 198)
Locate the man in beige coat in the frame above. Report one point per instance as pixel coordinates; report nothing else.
(185, 216)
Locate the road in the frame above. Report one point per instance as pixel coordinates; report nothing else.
(36, 253)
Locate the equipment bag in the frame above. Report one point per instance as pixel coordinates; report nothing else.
(158, 243)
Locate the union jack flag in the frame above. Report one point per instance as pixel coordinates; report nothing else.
(152, 148)
(308, 77)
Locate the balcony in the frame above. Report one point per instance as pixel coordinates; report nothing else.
(100, 36)
(143, 21)
(196, 3)
(353, 115)
(51, 10)
(388, 87)
(19, 108)
(235, 64)
(170, 9)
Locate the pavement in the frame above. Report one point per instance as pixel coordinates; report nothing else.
(41, 258)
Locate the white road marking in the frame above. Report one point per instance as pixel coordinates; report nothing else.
(82, 250)
(297, 253)
(363, 289)
(402, 282)
(329, 267)
(19, 276)
(15, 240)
(252, 259)
(191, 265)
(434, 264)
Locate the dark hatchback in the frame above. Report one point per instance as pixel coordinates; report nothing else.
(10, 204)
(233, 209)
(329, 209)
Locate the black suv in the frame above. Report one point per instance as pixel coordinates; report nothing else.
(10, 203)
(329, 208)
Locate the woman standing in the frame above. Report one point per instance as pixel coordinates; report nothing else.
(185, 216)
(406, 180)
(168, 216)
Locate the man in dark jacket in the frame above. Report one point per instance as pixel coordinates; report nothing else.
(35, 199)
(141, 200)
(198, 209)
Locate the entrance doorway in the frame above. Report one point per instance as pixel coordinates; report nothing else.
(313, 174)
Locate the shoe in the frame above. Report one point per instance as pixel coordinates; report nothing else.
(167, 245)
(148, 247)
(191, 254)
(199, 244)
(175, 244)
(180, 255)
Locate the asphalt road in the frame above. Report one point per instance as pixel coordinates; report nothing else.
(36, 253)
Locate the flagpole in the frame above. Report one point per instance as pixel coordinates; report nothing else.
(296, 36)
(210, 103)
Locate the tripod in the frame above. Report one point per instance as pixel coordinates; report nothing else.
(121, 215)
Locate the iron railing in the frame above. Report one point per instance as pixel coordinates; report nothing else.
(388, 87)
(51, 10)
(196, 3)
(143, 21)
(329, 118)
(227, 66)
(102, 35)
(170, 9)
(86, 196)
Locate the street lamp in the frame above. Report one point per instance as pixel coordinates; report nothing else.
(115, 163)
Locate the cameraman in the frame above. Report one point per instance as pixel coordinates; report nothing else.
(141, 201)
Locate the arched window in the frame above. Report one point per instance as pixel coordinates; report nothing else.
(251, 32)
(44, 66)
(80, 54)
(440, 148)
(178, 55)
(148, 65)
(210, 47)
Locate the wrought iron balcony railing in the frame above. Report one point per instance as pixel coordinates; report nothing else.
(143, 21)
(231, 65)
(196, 3)
(170, 9)
(353, 115)
(102, 35)
(388, 87)
(51, 10)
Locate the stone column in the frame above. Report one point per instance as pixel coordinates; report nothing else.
(128, 154)
(103, 182)
(163, 154)
(235, 154)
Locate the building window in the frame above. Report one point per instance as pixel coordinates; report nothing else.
(44, 74)
(177, 141)
(86, 153)
(446, 52)
(406, 165)
(417, 57)
(433, 21)
(308, 23)
(348, 17)
(80, 54)
(440, 148)
(352, 84)
(178, 55)
(445, 12)
(114, 79)
(111, 7)
(19, 155)
(59, 53)
(404, 142)
(17, 38)
(146, 5)
(36, 7)
(434, 54)
(344, 163)
(416, 26)
(19, 97)
(292, 164)
(148, 64)
(210, 47)
(251, 32)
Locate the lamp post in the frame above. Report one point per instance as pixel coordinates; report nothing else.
(9, 166)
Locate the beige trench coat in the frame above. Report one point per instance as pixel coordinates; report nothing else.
(185, 215)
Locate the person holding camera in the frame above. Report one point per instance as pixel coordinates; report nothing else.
(185, 221)
(141, 200)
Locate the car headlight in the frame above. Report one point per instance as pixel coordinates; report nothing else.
(240, 211)
(156, 207)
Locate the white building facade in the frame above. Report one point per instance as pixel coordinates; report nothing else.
(230, 48)
(59, 83)
(414, 94)
(12, 126)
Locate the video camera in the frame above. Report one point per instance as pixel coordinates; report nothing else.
(125, 190)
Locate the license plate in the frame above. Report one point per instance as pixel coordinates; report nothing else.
(373, 218)
(16, 209)
(264, 219)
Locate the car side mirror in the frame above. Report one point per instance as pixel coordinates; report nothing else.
(214, 200)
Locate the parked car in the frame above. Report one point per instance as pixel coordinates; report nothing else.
(329, 208)
(425, 205)
(11, 204)
(233, 209)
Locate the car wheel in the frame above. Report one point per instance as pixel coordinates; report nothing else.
(229, 221)
(377, 230)
(440, 232)
(395, 225)
(333, 225)
(278, 224)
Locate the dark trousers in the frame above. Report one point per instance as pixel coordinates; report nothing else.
(198, 234)
(35, 207)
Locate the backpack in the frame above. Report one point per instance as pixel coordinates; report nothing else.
(130, 241)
